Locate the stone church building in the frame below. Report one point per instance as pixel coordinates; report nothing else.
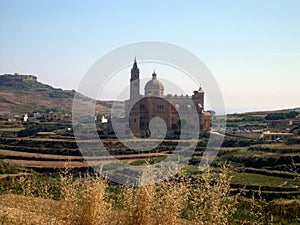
(154, 103)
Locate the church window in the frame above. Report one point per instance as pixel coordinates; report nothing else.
(160, 107)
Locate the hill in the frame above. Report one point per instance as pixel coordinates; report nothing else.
(24, 93)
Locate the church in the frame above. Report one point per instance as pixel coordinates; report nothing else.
(140, 109)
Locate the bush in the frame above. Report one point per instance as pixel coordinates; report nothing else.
(194, 161)
(239, 143)
(292, 141)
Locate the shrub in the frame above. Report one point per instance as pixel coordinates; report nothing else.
(292, 141)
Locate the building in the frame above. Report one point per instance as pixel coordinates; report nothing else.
(57, 116)
(280, 125)
(272, 136)
(140, 109)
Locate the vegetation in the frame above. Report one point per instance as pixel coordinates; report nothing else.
(33, 128)
(7, 169)
(280, 116)
(261, 185)
(90, 199)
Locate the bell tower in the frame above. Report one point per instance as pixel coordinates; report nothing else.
(135, 82)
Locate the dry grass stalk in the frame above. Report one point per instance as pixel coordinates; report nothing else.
(84, 201)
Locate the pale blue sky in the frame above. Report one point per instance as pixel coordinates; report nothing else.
(251, 47)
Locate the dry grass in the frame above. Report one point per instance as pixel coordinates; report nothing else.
(209, 202)
(86, 201)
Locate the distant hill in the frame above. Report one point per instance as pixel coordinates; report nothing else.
(24, 93)
(263, 114)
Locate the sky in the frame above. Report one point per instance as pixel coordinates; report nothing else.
(251, 47)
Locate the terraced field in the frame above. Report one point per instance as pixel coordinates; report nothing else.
(39, 155)
(271, 170)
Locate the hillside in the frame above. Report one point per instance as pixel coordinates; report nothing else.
(263, 114)
(24, 93)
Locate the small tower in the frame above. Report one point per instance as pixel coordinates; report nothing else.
(135, 82)
(198, 99)
(153, 75)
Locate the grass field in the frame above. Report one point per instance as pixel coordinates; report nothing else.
(264, 180)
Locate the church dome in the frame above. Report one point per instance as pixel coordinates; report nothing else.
(154, 84)
(154, 87)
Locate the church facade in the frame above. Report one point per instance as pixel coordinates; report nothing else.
(140, 109)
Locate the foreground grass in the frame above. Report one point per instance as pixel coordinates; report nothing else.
(91, 200)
